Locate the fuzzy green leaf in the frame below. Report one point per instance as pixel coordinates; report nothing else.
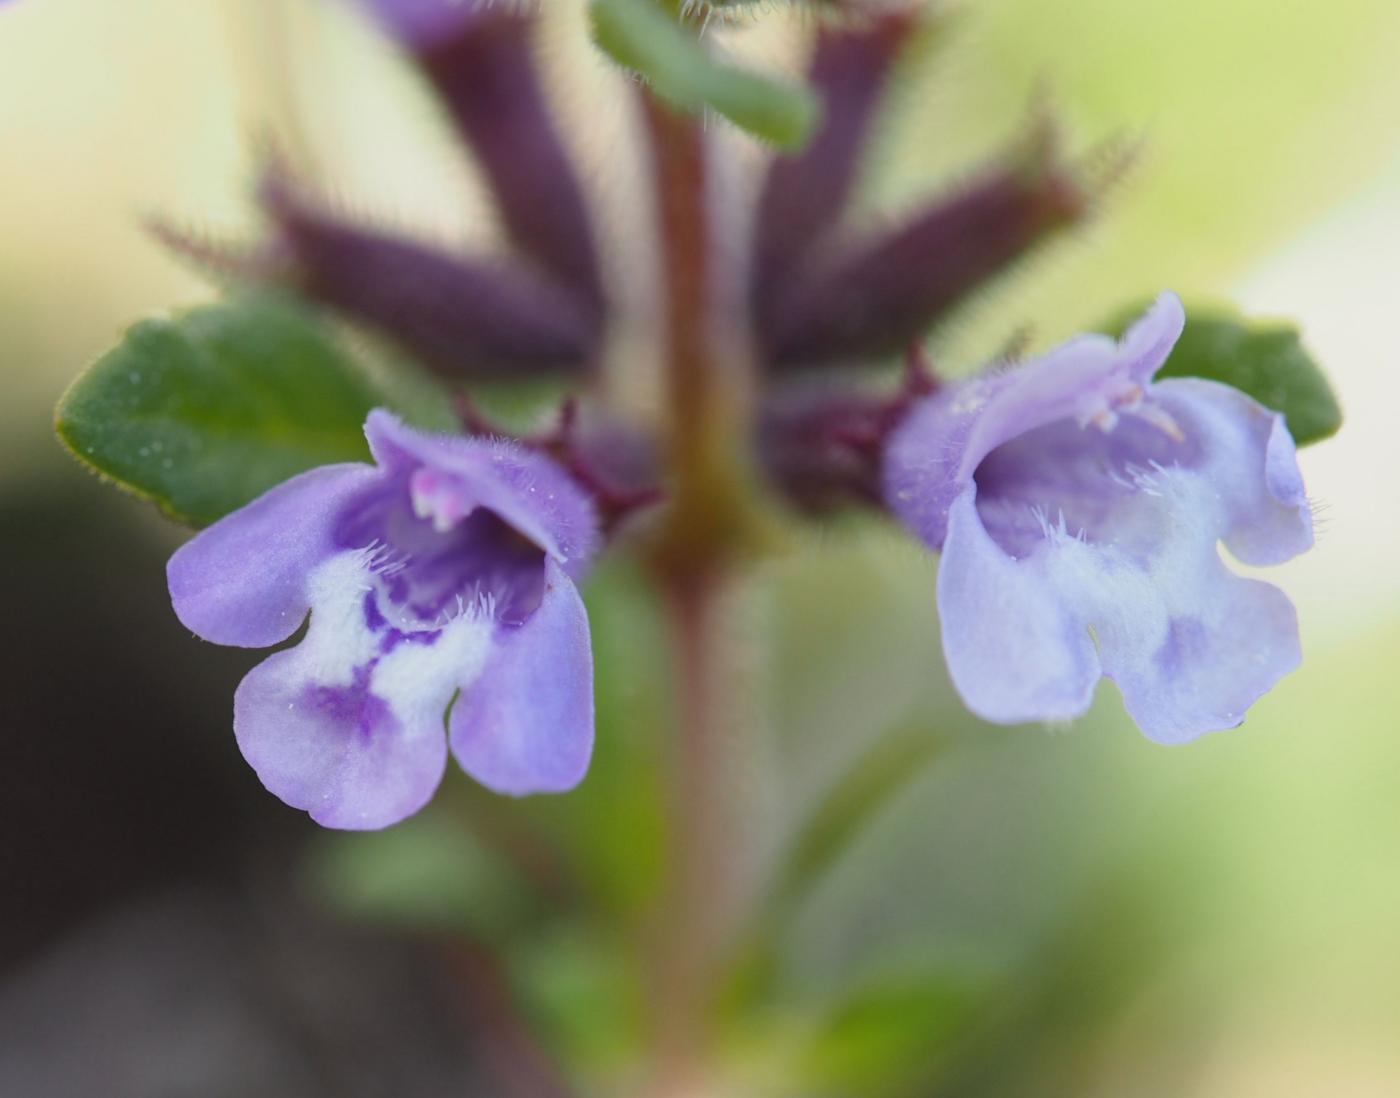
(640, 36)
(202, 413)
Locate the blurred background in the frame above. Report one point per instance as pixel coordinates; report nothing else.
(1073, 911)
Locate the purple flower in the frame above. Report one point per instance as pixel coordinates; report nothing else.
(1078, 506)
(440, 583)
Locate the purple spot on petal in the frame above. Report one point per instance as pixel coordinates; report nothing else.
(353, 706)
(1186, 643)
(374, 620)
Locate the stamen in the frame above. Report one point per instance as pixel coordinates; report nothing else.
(1130, 398)
(1160, 418)
(1105, 419)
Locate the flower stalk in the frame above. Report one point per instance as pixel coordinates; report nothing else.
(690, 928)
(706, 528)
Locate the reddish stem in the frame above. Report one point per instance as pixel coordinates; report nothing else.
(692, 557)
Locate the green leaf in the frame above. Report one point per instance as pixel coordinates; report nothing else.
(1266, 360)
(202, 413)
(640, 36)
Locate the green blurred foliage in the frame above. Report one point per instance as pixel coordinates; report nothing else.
(581, 986)
(430, 874)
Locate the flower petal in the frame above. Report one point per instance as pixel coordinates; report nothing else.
(1250, 457)
(526, 726)
(1015, 651)
(349, 724)
(1237, 638)
(938, 448)
(527, 490)
(339, 753)
(242, 581)
(1190, 645)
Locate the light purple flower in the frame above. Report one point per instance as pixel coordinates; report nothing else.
(440, 583)
(1079, 507)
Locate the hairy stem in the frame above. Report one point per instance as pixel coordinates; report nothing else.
(693, 912)
(705, 530)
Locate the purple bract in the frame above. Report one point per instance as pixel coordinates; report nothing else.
(440, 583)
(425, 22)
(1079, 507)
